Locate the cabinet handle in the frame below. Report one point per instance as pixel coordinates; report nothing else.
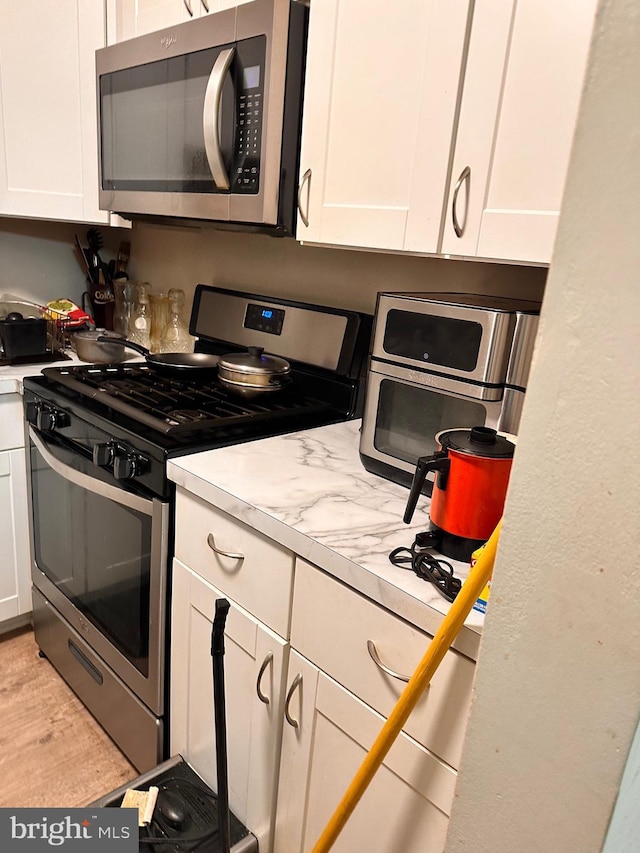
(265, 663)
(297, 681)
(306, 178)
(373, 654)
(211, 542)
(187, 6)
(205, 4)
(465, 176)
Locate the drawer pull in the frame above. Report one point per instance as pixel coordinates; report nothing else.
(211, 542)
(373, 653)
(265, 663)
(297, 681)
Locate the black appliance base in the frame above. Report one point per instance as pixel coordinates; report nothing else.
(198, 804)
(455, 547)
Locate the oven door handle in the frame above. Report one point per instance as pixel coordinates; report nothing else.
(78, 478)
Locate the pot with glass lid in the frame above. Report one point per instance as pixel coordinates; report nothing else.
(472, 468)
(254, 372)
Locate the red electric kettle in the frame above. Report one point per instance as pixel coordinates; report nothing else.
(472, 474)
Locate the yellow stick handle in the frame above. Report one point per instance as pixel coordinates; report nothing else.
(438, 647)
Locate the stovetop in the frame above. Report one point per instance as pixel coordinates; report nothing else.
(191, 404)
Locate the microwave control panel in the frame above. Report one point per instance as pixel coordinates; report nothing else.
(249, 110)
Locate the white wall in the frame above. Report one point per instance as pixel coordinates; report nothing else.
(557, 692)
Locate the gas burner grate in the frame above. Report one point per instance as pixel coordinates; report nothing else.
(176, 406)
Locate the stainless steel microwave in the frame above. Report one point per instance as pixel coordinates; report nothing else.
(201, 121)
(442, 361)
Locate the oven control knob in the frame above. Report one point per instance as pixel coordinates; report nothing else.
(126, 466)
(103, 453)
(48, 420)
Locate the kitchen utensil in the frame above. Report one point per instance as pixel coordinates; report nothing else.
(254, 372)
(418, 683)
(171, 362)
(99, 346)
(472, 474)
(122, 258)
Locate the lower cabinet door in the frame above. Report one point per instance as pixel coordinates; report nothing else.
(327, 733)
(15, 570)
(255, 667)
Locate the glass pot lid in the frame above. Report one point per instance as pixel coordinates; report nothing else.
(255, 362)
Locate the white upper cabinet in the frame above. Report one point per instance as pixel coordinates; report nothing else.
(137, 17)
(520, 102)
(434, 130)
(48, 135)
(381, 91)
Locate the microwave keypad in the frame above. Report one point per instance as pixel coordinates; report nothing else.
(247, 153)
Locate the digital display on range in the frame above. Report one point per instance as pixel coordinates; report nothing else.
(264, 318)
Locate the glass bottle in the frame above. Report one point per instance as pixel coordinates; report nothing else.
(140, 325)
(159, 304)
(176, 337)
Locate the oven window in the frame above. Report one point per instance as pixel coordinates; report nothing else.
(97, 553)
(409, 417)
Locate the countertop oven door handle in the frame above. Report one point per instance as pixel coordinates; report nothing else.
(373, 654)
(265, 663)
(211, 118)
(297, 681)
(211, 542)
(78, 478)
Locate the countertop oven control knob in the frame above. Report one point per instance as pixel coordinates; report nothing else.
(103, 453)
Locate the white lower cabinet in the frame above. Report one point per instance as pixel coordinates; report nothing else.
(255, 668)
(312, 669)
(15, 569)
(326, 736)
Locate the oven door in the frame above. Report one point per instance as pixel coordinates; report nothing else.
(100, 557)
(404, 411)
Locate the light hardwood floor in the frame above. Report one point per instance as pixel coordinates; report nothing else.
(52, 751)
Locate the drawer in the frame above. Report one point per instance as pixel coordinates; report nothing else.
(251, 569)
(332, 626)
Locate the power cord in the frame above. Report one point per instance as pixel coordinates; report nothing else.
(437, 571)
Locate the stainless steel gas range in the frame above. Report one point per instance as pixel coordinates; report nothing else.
(99, 437)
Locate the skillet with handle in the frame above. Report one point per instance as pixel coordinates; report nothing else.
(169, 362)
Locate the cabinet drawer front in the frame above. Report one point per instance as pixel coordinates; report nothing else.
(332, 626)
(252, 570)
(11, 421)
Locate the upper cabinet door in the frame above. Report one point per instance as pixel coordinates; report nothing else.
(48, 132)
(381, 93)
(522, 90)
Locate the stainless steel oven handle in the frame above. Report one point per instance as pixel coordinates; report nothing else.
(78, 478)
(211, 117)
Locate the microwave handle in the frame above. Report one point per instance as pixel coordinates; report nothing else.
(210, 118)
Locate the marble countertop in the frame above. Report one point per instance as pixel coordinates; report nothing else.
(309, 492)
